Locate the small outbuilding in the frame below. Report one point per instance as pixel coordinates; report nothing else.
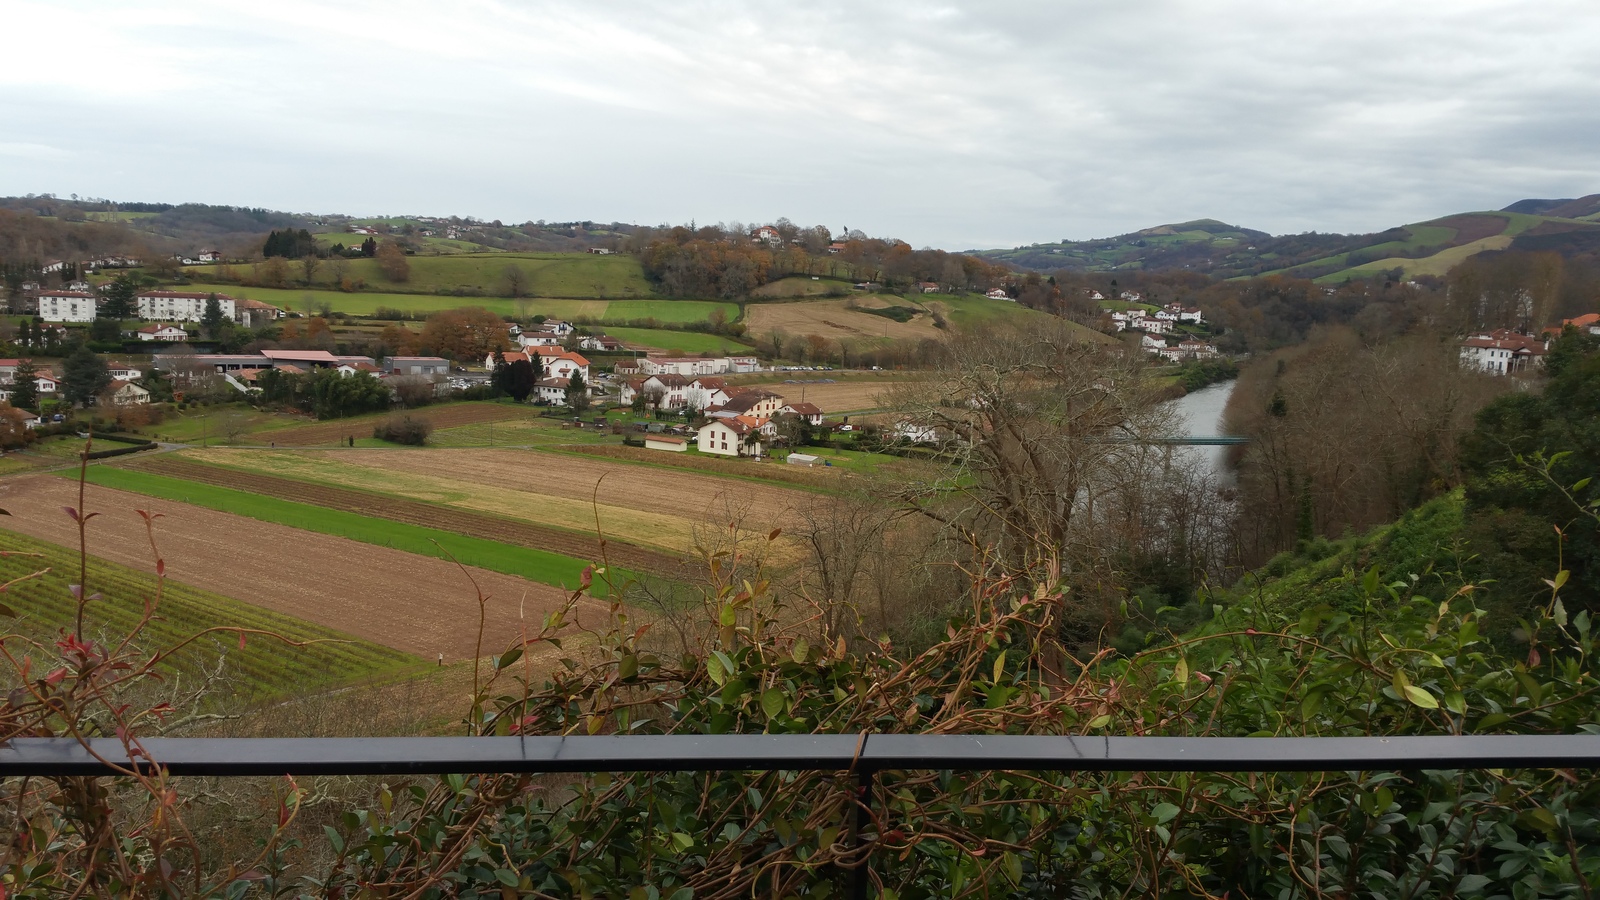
(666, 442)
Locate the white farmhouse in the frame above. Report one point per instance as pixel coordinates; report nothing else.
(738, 436)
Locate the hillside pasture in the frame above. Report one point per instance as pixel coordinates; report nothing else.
(1438, 264)
(676, 342)
(666, 312)
(833, 319)
(576, 275)
(415, 604)
(801, 286)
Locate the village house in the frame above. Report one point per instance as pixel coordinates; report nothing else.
(1152, 344)
(666, 391)
(809, 412)
(928, 287)
(737, 436)
(47, 383)
(766, 234)
(126, 393)
(181, 306)
(126, 373)
(551, 391)
(253, 313)
(1153, 325)
(704, 393)
(916, 432)
(599, 342)
(753, 403)
(1192, 315)
(352, 368)
(1194, 349)
(1503, 352)
(997, 294)
(1587, 324)
(162, 333)
(558, 363)
(66, 306)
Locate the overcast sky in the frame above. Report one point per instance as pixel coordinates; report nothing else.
(953, 125)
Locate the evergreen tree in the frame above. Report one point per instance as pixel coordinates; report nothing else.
(105, 330)
(519, 379)
(369, 247)
(25, 389)
(213, 319)
(577, 392)
(84, 375)
(122, 299)
(25, 333)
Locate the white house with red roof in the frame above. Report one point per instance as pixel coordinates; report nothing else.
(810, 412)
(1503, 352)
(737, 436)
(162, 333)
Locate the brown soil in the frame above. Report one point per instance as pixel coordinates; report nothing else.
(1470, 227)
(832, 319)
(415, 512)
(412, 603)
(700, 498)
(336, 431)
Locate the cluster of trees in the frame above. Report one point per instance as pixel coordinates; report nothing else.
(515, 379)
(325, 393)
(290, 243)
(715, 261)
(1348, 434)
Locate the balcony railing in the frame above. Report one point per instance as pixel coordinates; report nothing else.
(860, 755)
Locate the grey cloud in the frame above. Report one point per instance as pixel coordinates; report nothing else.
(958, 124)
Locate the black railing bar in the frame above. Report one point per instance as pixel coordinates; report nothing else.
(828, 752)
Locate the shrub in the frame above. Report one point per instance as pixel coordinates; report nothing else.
(404, 429)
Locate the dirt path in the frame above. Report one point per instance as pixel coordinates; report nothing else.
(414, 512)
(412, 603)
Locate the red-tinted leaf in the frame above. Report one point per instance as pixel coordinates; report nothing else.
(56, 676)
(161, 566)
(241, 640)
(71, 512)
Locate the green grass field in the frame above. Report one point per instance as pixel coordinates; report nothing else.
(580, 275)
(678, 341)
(534, 565)
(264, 668)
(670, 312)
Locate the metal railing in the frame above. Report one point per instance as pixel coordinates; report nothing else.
(859, 755)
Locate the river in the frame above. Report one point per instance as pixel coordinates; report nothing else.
(1200, 413)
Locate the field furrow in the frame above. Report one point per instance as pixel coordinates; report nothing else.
(413, 512)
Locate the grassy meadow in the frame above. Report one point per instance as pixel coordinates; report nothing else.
(303, 300)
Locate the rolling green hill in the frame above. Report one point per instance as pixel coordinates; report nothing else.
(1422, 248)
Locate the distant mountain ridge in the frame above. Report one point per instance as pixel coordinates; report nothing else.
(1219, 249)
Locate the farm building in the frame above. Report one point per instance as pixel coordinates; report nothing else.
(665, 442)
(418, 365)
(803, 459)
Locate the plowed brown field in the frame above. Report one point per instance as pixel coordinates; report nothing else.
(493, 528)
(447, 417)
(412, 603)
(700, 498)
